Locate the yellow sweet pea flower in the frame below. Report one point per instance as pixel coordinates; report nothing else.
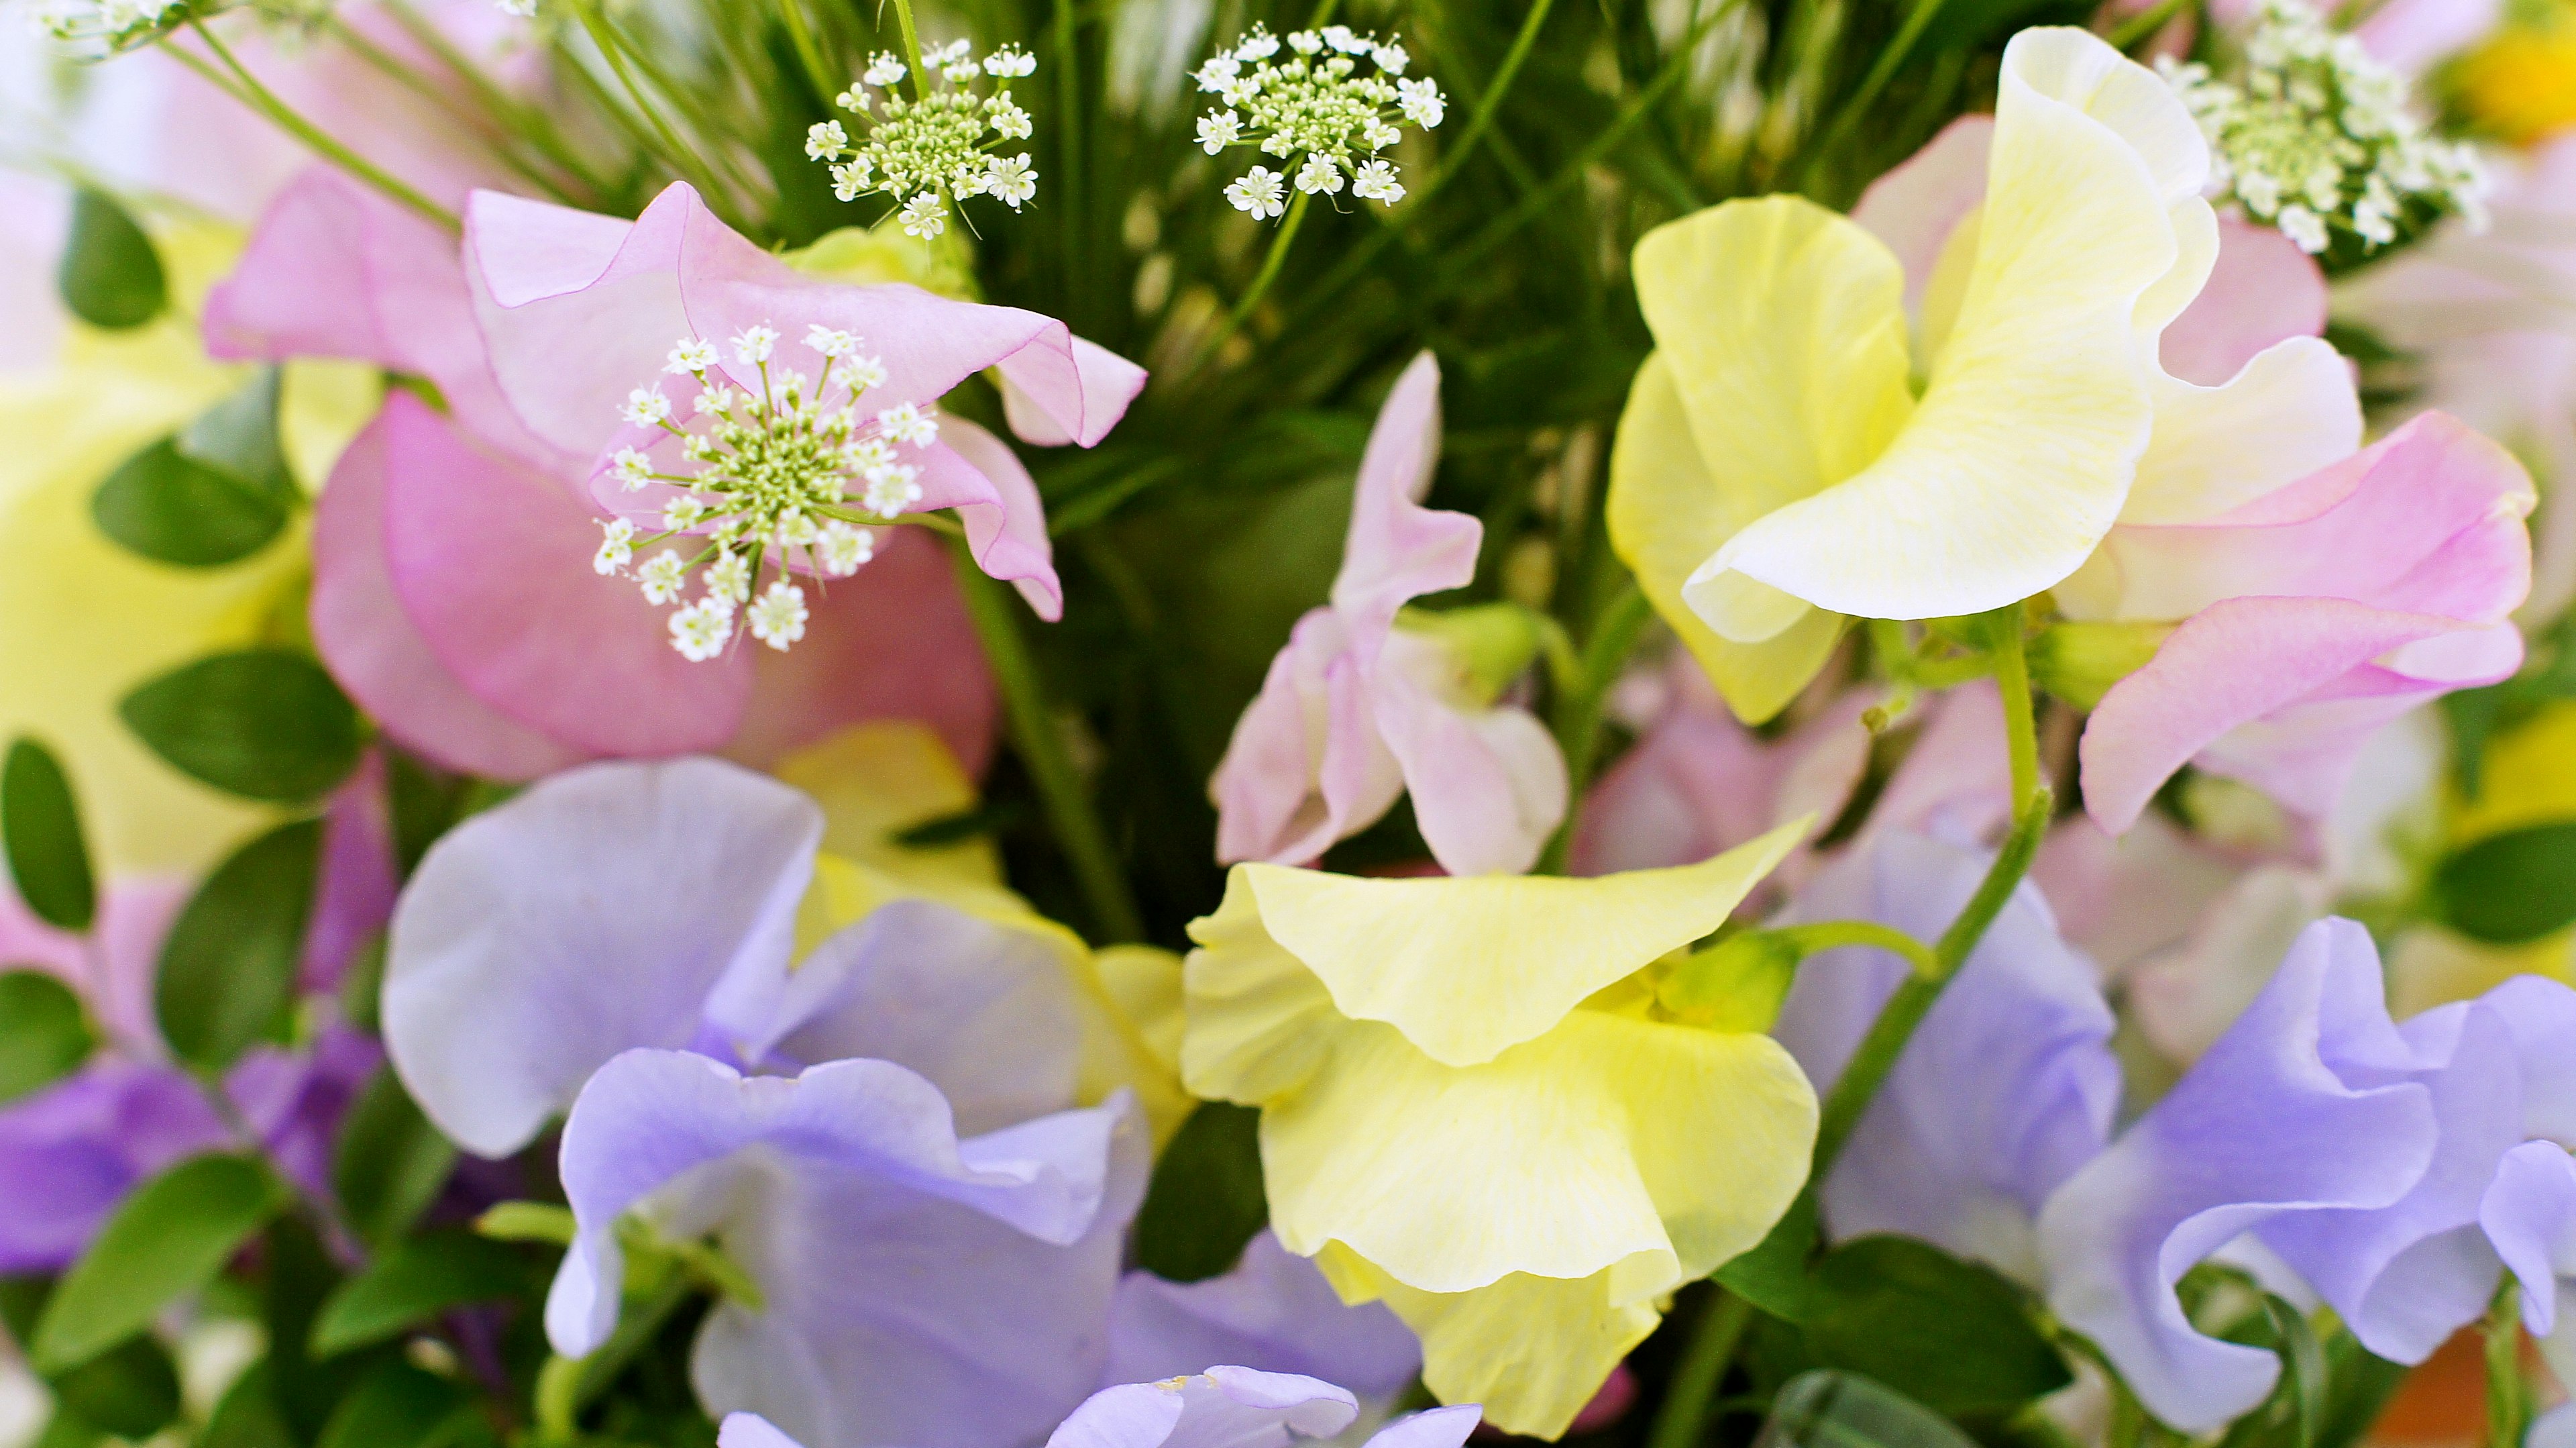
(1775, 470)
(2521, 83)
(878, 779)
(1472, 1109)
(83, 621)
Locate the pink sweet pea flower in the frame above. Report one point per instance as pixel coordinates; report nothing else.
(452, 594)
(1356, 711)
(2308, 618)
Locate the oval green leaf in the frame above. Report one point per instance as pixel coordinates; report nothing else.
(172, 508)
(2511, 888)
(41, 829)
(227, 976)
(1206, 1198)
(1953, 1334)
(43, 1036)
(1833, 1409)
(238, 438)
(168, 1238)
(262, 723)
(131, 1390)
(110, 276)
(391, 1162)
(414, 1280)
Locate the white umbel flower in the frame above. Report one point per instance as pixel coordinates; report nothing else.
(778, 619)
(932, 150)
(702, 629)
(1258, 192)
(1317, 109)
(615, 548)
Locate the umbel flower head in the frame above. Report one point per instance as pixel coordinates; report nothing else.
(2314, 136)
(784, 468)
(940, 147)
(96, 29)
(1316, 112)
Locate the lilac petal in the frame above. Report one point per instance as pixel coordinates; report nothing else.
(750, 1430)
(593, 913)
(1431, 1428)
(987, 1013)
(1397, 550)
(355, 887)
(2541, 1014)
(70, 1153)
(1274, 1312)
(295, 1099)
(2006, 1089)
(2301, 1105)
(379, 655)
(1222, 1407)
(915, 1289)
(491, 562)
(976, 473)
(2406, 1276)
(2529, 1215)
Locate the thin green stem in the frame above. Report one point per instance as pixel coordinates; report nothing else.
(675, 152)
(248, 87)
(1857, 104)
(1832, 934)
(1270, 264)
(2508, 1396)
(529, 121)
(1489, 103)
(1683, 1418)
(912, 50)
(1576, 715)
(808, 55)
(1040, 742)
(2012, 678)
(1068, 126)
(565, 1386)
(2138, 27)
(490, 127)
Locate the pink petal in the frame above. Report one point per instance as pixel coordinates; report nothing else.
(1956, 782)
(976, 473)
(1398, 550)
(891, 641)
(2263, 290)
(2246, 660)
(2409, 35)
(1916, 206)
(1488, 785)
(1042, 413)
(2427, 520)
(115, 977)
(337, 270)
(1305, 765)
(378, 654)
(492, 563)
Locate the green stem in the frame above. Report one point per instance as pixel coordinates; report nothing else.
(1068, 125)
(1034, 733)
(1880, 73)
(1683, 1418)
(682, 159)
(1270, 264)
(912, 50)
(2139, 27)
(1576, 716)
(565, 1386)
(1489, 103)
(1832, 934)
(247, 87)
(2508, 1398)
(2012, 679)
(801, 36)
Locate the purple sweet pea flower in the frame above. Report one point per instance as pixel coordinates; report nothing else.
(70, 1153)
(1356, 711)
(2307, 1104)
(1274, 1312)
(916, 1289)
(2006, 1089)
(1222, 1407)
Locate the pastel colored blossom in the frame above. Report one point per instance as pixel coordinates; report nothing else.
(1775, 472)
(1427, 1051)
(1315, 104)
(1217, 1407)
(1358, 708)
(1273, 1312)
(930, 151)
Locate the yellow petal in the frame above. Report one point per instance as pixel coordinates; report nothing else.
(1476, 1345)
(1466, 967)
(2019, 456)
(1666, 516)
(1259, 1022)
(879, 779)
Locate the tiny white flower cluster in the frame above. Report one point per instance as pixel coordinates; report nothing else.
(785, 469)
(929, 153)
(1315, 104)
(100, 28)
(2314, 137)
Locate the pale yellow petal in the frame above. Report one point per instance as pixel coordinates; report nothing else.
(2021, 452)
(1466, 967)
(1532, 1350)
(1647, 1151)
(1260, 1023)
(1666, 517)
(2291, 411)
(875, 781)
(1144, 982)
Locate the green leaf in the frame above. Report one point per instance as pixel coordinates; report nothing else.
(110, 276)
(263, 723)
(43, 1037)
(2296, 1414)
(238, 438)
(172, 508)
(67, 1429)
(391, 1162)
(168, 1238)
(1953, 1334)
(1206, 1198)
(1772, 1275)
(396, 1406)
(2511, 888)
(247, 1416)
(131, 1390)
(414, 1280)
(41, 828)
(1833, 1409)
(228, 965)
(527, 1222)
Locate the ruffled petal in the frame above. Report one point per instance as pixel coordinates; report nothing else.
(2301, 1105)
(1397, 550)
(976, 473)
(1466, 968)
(1306, 765)
(1488, 785)
(1274, 1312)
(594, 913)
(2528, 1214)
(1222, 1407)
(2291, 410)
(491, 563)
(2263, 290)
